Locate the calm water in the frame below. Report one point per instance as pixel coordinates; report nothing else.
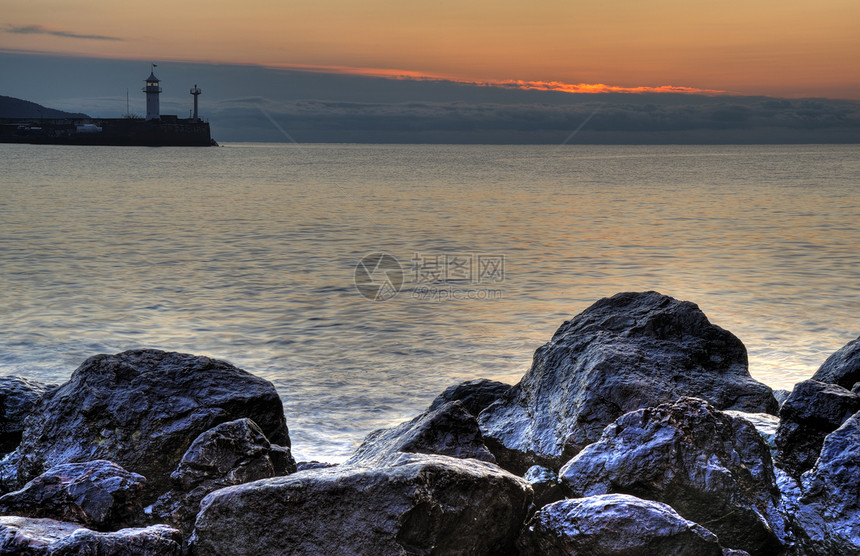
(248, 253)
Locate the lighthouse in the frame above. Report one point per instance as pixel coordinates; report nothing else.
(152, 90)
(196, 92)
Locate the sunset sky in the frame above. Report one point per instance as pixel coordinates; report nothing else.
(781, 48)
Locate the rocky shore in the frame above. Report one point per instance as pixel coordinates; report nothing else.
(638, 430)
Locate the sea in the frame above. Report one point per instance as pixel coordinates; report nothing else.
(362, 280)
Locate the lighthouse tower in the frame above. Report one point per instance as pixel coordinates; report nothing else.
(152, 90)
(196, 92)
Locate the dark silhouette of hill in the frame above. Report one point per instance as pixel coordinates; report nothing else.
(11, 107)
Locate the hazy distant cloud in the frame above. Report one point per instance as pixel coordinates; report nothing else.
(42, 30)
(627, 118)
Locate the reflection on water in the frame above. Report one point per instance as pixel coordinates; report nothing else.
(248, 253)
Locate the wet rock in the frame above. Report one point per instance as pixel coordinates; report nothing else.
(615, 525)
(764, 423)
(18, 396)
(26, 536)
(630, 351)
(814, 410)
(282, 459)
(308, 465)
(142, 409)
(713, 469)
(828, 513)
(413, 504)
(781, 396)
(98, 494)
(544, 483)
(474, 394)
(789, 496)
(449, 430)
(842, 368)
(232, 453)
(155, 540)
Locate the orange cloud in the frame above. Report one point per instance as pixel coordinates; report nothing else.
(599, 87)
(505, 84)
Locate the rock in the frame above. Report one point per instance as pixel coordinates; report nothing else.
(26, 536)
(18, 396)
(155, 540)
(813, 411)
(789, 496)
(282, 459)
(98, 494)
(627, 352)
(828, 516)
(449, 430)
(544, 483)
(229, 454)
(614, 524)
(764, 423)
(474, 394)
(842, 368)
(713, 469)
(308, 465)
(781, 396)
(142, 409)
(412, 504)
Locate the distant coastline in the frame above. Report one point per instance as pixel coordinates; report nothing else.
(165, 132)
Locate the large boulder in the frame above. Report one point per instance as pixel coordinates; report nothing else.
(142, 409)
(414, 504)
(18, 397)
(232, 453)
(98, 494)
(26, 536)
(614, 525)
(627, 352)
(449, 430)
(812, 411)
(713, 469)
(475, 395)
(827, 518)
(842, 368)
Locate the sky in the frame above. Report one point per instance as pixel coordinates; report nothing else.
(784, 48)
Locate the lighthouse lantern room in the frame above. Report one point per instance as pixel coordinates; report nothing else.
(152, 90)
